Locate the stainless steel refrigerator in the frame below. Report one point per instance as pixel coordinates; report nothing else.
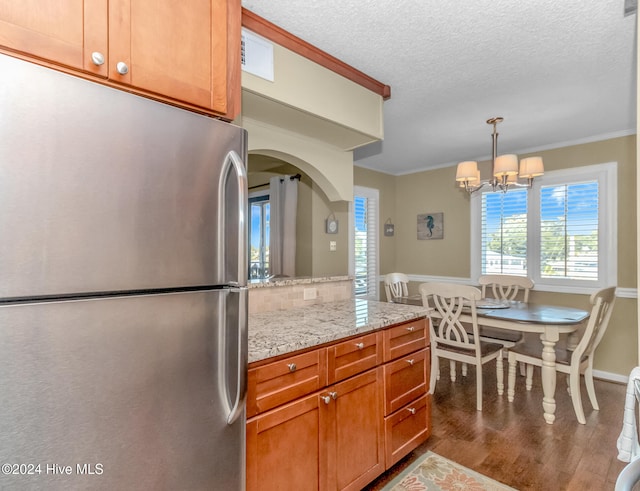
(123, 302)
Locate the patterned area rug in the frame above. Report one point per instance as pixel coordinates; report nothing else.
(435, 473)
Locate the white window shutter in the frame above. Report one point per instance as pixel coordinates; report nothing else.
(366, 243)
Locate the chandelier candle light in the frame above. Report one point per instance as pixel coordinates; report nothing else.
(504, 169)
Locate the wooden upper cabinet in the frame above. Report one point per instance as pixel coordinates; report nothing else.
(64, 32)
(186, 53)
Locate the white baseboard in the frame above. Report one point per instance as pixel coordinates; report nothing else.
(611, 377)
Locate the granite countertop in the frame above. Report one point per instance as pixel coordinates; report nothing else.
(281, 332)
(297, 280)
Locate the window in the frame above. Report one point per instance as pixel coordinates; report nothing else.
(259, 210)
(364, 239)
(561, 233)
(504, 232)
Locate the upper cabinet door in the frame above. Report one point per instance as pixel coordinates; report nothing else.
(188, 51)
(72, 33)
(183, 52)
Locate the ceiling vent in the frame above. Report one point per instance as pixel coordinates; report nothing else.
(256, 55)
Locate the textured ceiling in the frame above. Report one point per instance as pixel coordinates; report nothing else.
(559, 72)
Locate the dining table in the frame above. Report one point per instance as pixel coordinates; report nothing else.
(548, 320)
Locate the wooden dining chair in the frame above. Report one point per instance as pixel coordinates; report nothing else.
(396, 285)
(572, 363)
(450, 340)
(504, 287)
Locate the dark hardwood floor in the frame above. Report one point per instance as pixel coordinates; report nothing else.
(511, 443)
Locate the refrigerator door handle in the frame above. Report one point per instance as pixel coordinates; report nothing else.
(233, 161)
(241, 370)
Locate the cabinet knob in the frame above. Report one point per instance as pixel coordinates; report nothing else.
(122, 68)
(326, 399)
(334, 395)
(412, 410)
(411, 328)
(360, 345)
(410, 362)
(292, 367)
(97, 58)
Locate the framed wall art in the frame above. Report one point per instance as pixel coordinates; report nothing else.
(431, 226)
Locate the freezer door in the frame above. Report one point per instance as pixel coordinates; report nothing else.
(124, 393)
(101, 190)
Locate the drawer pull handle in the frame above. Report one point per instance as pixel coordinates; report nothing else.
(410, 362)
(411, 328)
(360, 345)
(412, 410)
(97, 58)
(292, 367)
(327, 399)
(122, 68)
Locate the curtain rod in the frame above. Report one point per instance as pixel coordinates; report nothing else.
(297, 176)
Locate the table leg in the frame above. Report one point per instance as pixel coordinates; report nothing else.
(549, 339)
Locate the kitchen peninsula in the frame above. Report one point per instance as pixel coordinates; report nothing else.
(337, 390)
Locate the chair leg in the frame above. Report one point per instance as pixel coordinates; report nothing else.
(500, 374)
(479, 387)
(523, 369)
(529, 377)
(591, 390)
(452, 370)
(435, 373)
(464, 369)
(512, 377)
(574, 383)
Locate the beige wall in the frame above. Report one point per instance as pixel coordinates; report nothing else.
(315, 91)
(329, 167)
(637, 220)
(326, 262)
(435, 191)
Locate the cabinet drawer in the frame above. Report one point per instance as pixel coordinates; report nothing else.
(405, 379)
(282, 381)
(353, 356)
(406, 429)
(405, 338)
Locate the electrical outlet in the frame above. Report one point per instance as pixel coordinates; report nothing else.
(332, 246)
(310, 293)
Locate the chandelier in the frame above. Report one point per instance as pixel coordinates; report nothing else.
(505, 173)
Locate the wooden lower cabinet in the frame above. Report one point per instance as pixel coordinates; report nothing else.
(407, 428)
(405, 379)
(285, 380)
(356, 434)
(284, 447)
(332, 439)
(337, 417)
